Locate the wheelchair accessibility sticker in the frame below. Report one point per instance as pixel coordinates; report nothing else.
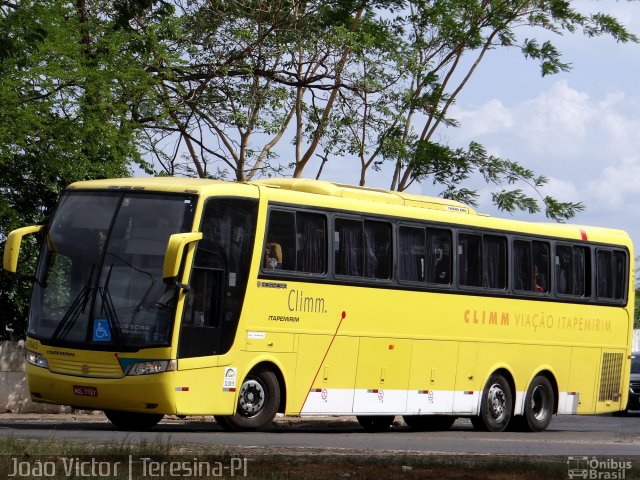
(101, 331)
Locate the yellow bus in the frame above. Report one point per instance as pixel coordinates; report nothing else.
(169, 296)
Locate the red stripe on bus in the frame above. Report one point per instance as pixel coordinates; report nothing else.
(583, 234)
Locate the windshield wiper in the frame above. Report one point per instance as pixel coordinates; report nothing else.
(77, 307)
(109, 311)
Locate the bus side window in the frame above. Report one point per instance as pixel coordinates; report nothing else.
(573, 271)
(348, 247)
(296, 241)
(541, 267)
(610, 273)
(280, 247)
(377, 240)
(439, 256)
(531, 266)
(363, 249)
(411, 254)
(311, 234)
(482, 260)
(470, 260)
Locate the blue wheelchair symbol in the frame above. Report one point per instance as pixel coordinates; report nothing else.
(101, 331)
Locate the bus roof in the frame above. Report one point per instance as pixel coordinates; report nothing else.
(370, 199)
(322, 187)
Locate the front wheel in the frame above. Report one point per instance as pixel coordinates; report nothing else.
(133, 420)
(258, 402)
(496, 405)
(375, 423)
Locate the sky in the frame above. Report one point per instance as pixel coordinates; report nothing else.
(580, 129)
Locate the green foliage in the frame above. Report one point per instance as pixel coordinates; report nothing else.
(70, 82)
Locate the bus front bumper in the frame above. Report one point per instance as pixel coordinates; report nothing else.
(145, 393)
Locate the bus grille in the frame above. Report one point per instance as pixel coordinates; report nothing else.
(610, 377)
(85, 369)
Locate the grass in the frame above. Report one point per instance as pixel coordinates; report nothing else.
(149, 459)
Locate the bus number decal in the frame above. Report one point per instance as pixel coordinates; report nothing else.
(229, 384)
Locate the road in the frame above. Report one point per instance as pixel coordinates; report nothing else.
(567, 436)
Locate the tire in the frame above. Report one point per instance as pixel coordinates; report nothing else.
(375, 423)
(496, 406)
(258, 402)
(223, 422)
(429, 423)
(539, 404)
(133, 420)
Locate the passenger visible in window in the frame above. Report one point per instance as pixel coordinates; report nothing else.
(273, 256)
(539, 285)
(443, 267)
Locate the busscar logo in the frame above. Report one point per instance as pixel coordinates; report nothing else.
(279, 285)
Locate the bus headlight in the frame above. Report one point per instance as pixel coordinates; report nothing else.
(149, 367)
(36, 359)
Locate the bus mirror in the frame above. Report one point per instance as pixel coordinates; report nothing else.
(175, 250)
(12, 247)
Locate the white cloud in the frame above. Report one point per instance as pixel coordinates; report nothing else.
(556, 121)
(617, 185)
(490, 117)
(586, 143)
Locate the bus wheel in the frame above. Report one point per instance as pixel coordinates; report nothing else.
(258, 401)
(375, 423)
(496, 405)
(539, 404)
(427, 423)
(223, 422)
(133, 420)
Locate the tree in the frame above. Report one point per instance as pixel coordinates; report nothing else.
(370, 80)
(71, 78)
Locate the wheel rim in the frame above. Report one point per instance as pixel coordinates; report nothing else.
(497, 402)
(539, 402)
(252, 398)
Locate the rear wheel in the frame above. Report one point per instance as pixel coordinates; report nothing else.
(428, 423)
(223, 421)
(375, 423)
(539, 404)
(133, 420)
(496, 405)
(258, 401)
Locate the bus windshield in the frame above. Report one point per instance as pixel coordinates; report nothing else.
(99, 281)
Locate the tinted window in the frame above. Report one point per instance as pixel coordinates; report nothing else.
(296, 241)
(573, 271)
(531, 266)
(470, 260)
(377, 244)
(411, 254)
(611, 273)
(482, 260)
(349, 247)
(424, 255)
(362, 248)
(438, 256)
(219, 277)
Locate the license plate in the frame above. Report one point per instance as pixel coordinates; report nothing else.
(85, 391)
